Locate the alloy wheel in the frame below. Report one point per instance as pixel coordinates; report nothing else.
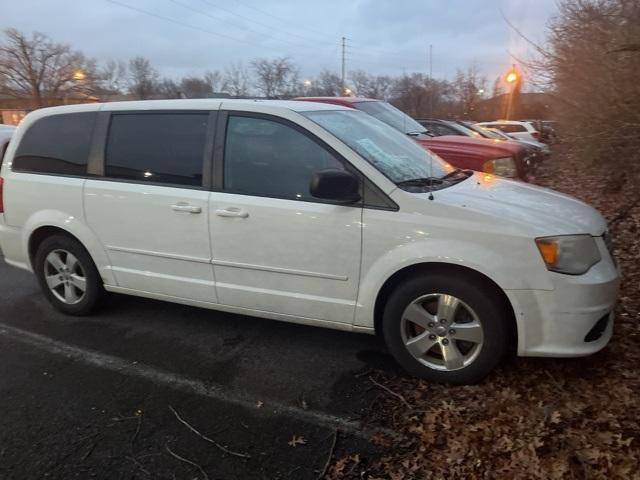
(442, 332)
(65, 276)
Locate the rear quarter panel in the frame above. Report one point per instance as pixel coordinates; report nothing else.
(33, 201)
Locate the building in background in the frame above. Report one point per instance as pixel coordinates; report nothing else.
(13, 110)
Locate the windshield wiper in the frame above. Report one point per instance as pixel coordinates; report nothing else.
(452, 173)
(415, 134)
(456, 171)
(419, 182)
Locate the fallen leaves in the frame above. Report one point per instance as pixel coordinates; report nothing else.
(296, 440)
(534, 418)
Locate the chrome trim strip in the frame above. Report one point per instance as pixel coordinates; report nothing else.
(249, 266)
(151, 253)
(286, 271)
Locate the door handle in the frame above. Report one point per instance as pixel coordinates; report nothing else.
(232, 212)
(185, 207)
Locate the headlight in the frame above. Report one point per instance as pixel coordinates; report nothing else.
(571, 254)
(505, 167)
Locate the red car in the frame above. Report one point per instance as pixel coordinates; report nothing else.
(484, 155)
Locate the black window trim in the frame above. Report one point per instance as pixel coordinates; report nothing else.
(213, 160)
(99, 148)
(218, 163)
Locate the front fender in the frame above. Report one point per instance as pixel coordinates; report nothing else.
(491, 263)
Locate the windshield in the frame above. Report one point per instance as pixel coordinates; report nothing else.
(395, 155)
(485, 132)
(499, 134)
(391, 116)
(463, 129)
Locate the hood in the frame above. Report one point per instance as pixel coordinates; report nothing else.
(544, 212)
(480, 147)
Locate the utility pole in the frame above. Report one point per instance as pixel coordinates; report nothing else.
(430, 81)
(342, 84)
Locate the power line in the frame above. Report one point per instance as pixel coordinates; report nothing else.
(229, 37)
(178, 22)
(188, 25)
(297, 45)
(324, 34)
(306, 39)
(201, 12)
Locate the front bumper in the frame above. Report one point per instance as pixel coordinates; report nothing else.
(575, 318)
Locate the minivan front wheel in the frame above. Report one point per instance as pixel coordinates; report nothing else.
(445, 328)
(67, 275)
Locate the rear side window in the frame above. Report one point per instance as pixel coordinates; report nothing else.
(57, 145)
(157, 147)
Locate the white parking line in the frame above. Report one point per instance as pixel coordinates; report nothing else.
(184, 383)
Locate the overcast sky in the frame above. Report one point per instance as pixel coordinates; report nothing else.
(185, 37)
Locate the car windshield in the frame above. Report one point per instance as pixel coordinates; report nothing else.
(391, 116)
(463, 129)
(485, 132)
(395, 155)
(499, 134)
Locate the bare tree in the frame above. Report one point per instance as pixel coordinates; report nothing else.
(195, 87)
(143, 78)
(112, 77)
(421, 96)
(468, 86)
(236, 80)
(590, 66)
(37, 68)
(327, 84)
(167, 88)
(498, 88)
(275, 77)
(214, 80)
(371, 86)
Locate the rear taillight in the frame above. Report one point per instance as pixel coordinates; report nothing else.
(535, 134)
(1, 195)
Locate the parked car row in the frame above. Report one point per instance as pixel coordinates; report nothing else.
(506, 159)
(536, 151)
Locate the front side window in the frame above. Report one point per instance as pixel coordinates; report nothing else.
(394, 154)
(58, 144)
(268, 158)
(157, 147)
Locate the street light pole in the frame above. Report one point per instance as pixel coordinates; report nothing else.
(430, 81)
(342, 84)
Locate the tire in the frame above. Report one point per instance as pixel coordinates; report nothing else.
(63, 268)
(459, 350)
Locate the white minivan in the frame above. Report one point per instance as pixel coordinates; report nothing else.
(308, 213)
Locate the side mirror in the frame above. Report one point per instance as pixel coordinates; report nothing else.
(337, 185)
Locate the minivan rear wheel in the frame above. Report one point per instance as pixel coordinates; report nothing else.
(445, 328)
(67, 275)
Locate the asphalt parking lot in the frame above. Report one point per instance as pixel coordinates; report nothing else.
(146, 389)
